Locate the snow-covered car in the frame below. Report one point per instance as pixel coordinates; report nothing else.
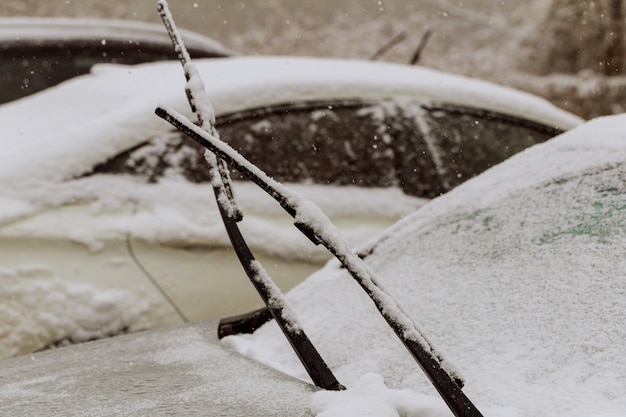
(107, 221)
(38, 53)
(516, 276)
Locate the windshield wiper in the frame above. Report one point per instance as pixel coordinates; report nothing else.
(311, 221)
(315, 225)
(315, 366)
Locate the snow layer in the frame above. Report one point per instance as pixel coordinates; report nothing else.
(38, 309)
(517, 276)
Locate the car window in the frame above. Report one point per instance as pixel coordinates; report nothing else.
(27, 67)
(423, 148)
(315, 142)
(463, 142)
(165, 156)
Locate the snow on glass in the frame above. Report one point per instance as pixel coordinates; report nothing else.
(518, 274)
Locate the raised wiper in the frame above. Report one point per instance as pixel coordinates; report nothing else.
(314, 223)
(315, 366)
(320, 230)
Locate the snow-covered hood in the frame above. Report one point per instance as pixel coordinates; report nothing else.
(517, 276)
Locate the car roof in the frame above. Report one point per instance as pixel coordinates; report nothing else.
(39, 31)
(516, 276)
(182, 371)
(111, 109)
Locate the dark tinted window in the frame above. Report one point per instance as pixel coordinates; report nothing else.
(464, 142)
(170, 155)
(424, 149)
(320, 143)
(29, 67)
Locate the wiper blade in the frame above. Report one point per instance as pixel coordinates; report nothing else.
(310, 219)
(315, 366)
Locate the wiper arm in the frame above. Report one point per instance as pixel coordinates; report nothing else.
(310, 219)
(315, 366)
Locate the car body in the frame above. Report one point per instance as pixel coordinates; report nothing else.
(107, 211)
(516, 276)
(38, 53)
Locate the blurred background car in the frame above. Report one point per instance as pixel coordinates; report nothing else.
(516, 277)
(108, 222)
(38, 53)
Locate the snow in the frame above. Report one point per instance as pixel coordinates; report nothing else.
(67, 141)
(177, 211)
(37, 308)
(517, 276)
(370, 397)
(276, 300)
(182, 370)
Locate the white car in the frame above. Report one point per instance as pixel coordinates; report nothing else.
(516, 276)
(106, 212)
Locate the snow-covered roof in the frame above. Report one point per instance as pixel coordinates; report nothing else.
(44, 30)
(65, 130)
(517, 276)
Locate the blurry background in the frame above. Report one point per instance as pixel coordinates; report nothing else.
(570, 52)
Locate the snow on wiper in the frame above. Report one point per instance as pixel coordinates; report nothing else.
(318, 227)
(200, 104)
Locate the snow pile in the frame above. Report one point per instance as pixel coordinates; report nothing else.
(517, 277)
(370, 397)
(39, 310)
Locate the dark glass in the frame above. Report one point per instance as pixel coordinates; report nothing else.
(424, 149)
(27, 67)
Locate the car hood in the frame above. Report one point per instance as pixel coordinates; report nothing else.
(517, 276)
(182, 371)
